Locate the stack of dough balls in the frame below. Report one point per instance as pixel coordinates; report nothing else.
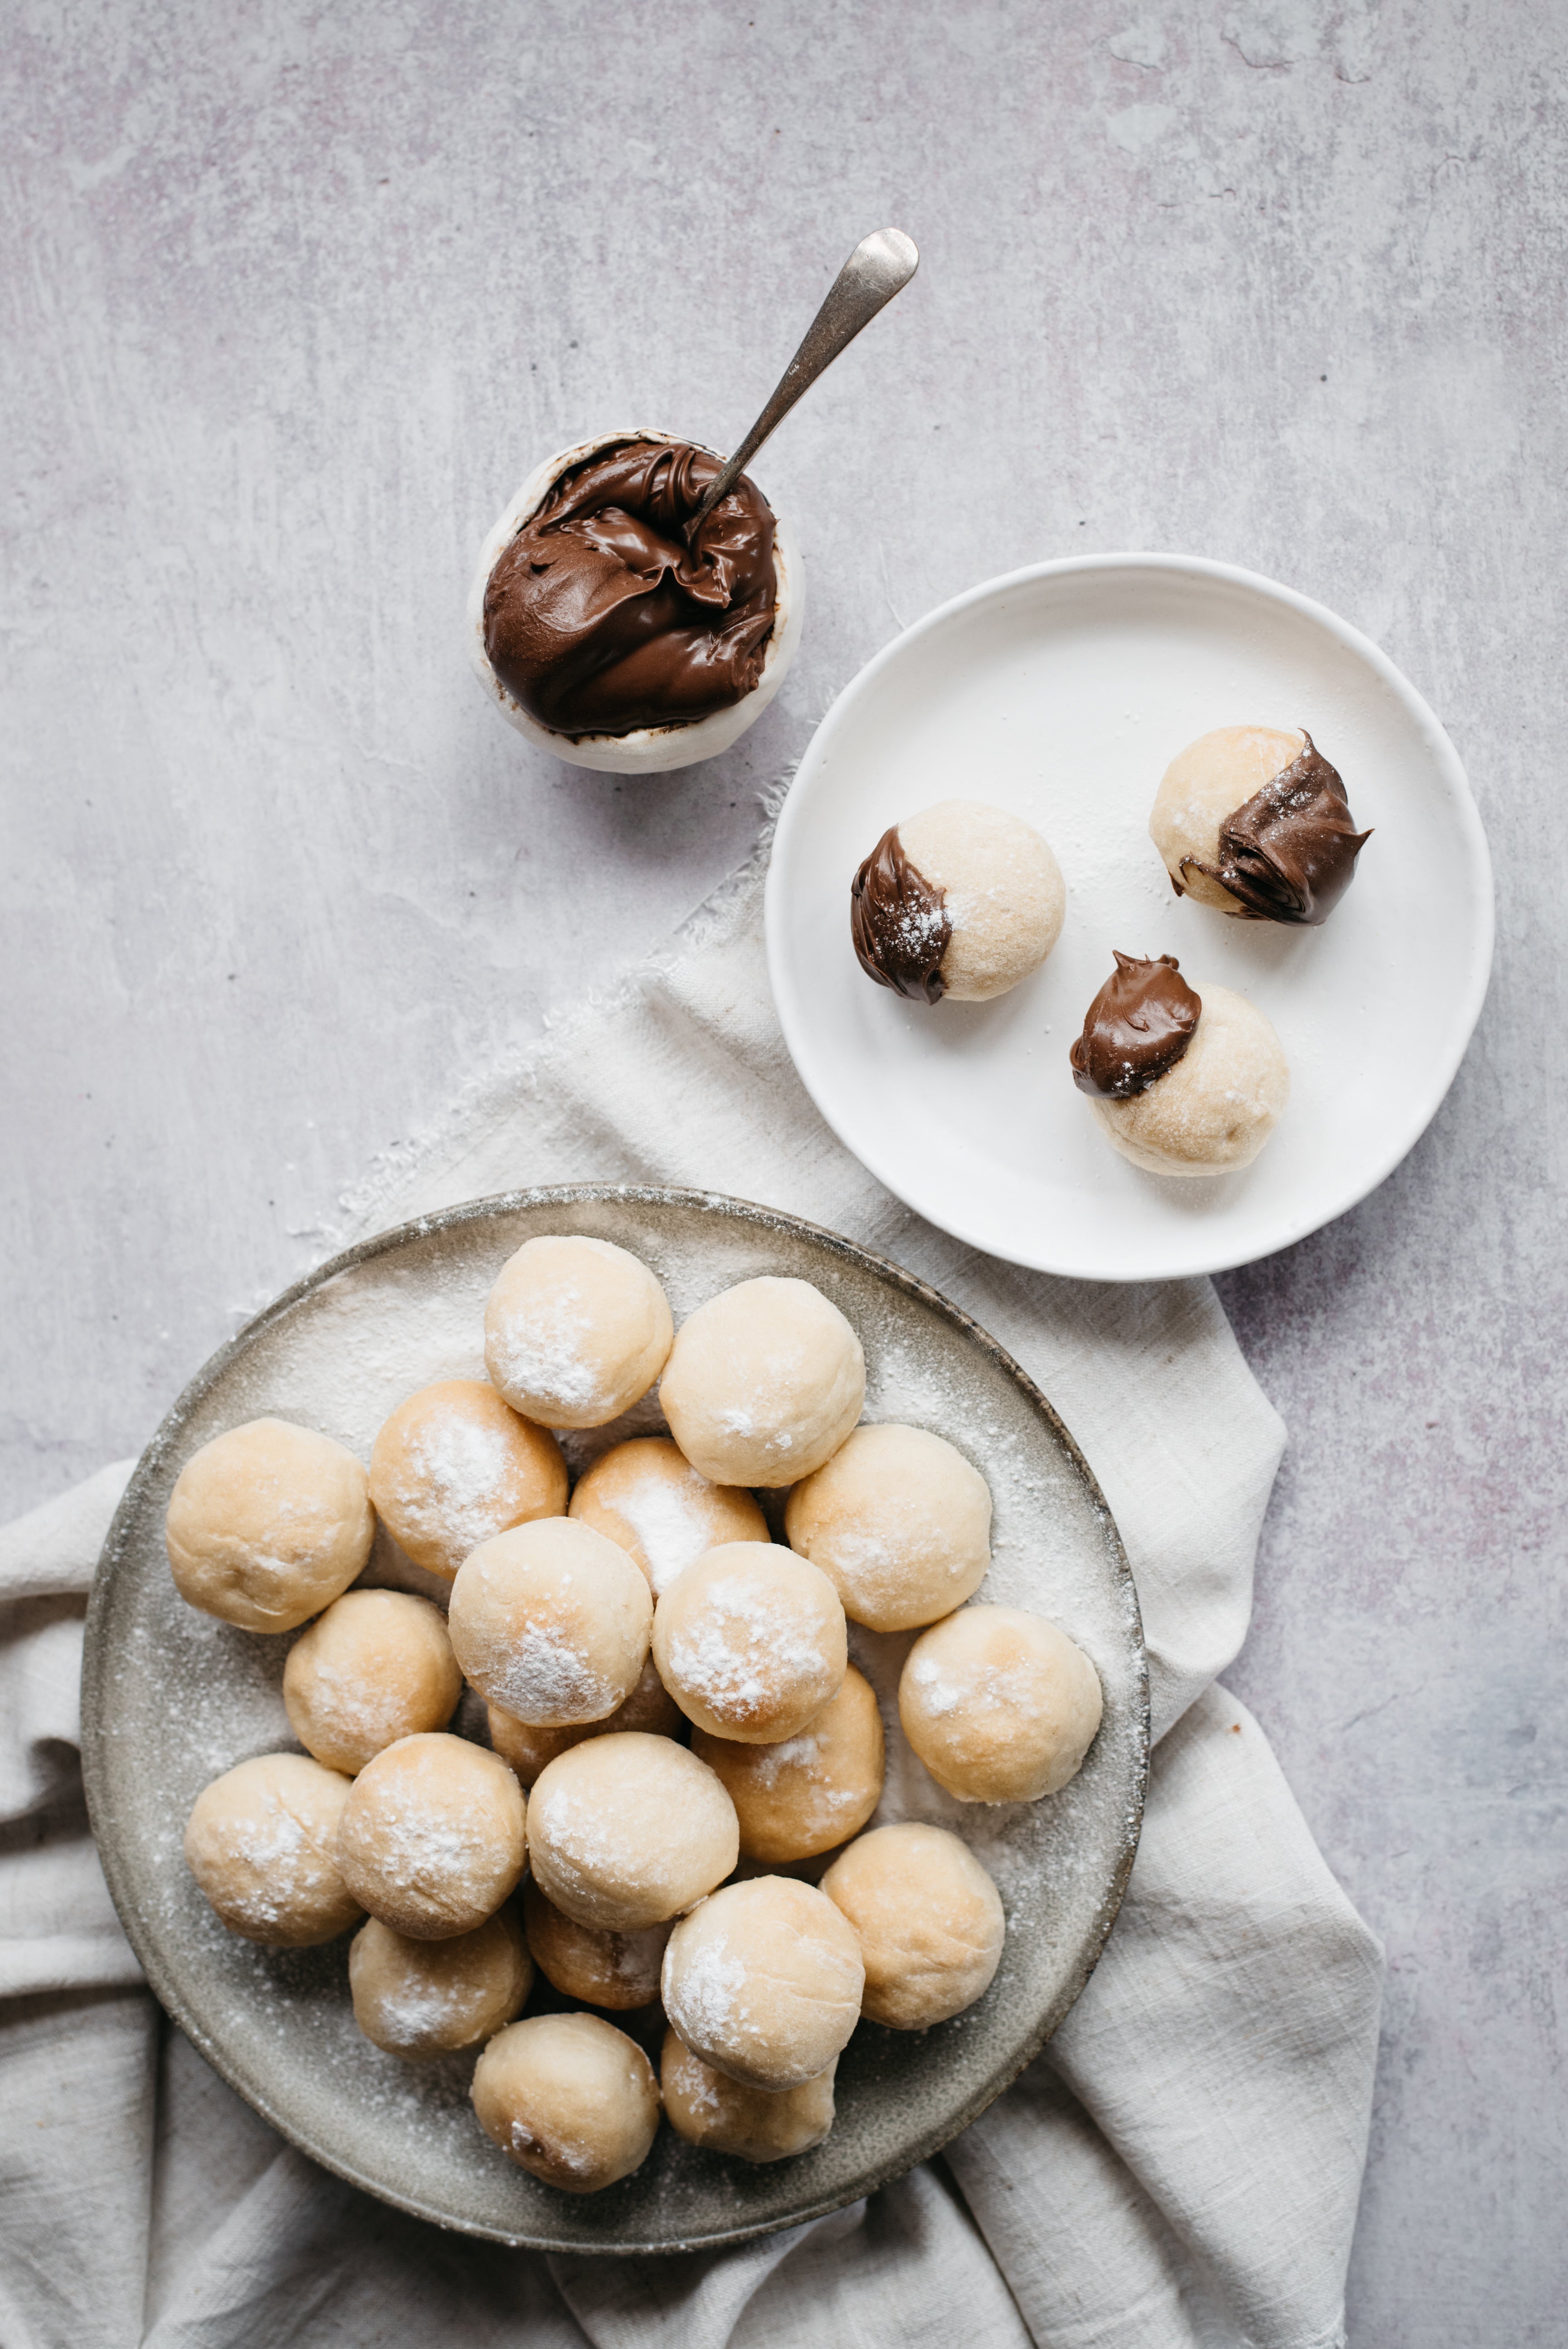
(669, 1700)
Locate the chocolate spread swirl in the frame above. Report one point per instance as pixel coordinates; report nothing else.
(1136, 1027)
(899, 922)
(1289, 853)
(600, 618)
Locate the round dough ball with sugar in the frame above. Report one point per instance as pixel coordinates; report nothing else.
(764, 1982)
(1212, 1112)
(551, 1622)
(928, 1919)
(261, 1843)
(419, 1999)
(377, 1666)
(568, 2099)
(526, 1749)
(814, 1790)
(646, 1495)
(268, 1524)
(575, 1330)
(1203, 785)
(706, 2108)
(628, 1831)
(750, 1643)
(763, 1383)
(999, 1704)
(1001, 891)
(431, 1839)
(620, 1971)
(901, 1524)
(454, 1466)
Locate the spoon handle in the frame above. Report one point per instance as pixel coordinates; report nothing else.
(880, 266)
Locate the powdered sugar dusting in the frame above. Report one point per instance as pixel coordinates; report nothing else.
(748, 1643)
(669, 1521)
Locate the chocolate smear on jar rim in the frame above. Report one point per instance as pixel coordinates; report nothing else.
(1136, 1027)
(899, 923)
(1288, 853)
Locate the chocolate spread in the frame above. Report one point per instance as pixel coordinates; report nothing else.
(1136, 1027)
(1289, 853)
(899, 922)
(600, 618)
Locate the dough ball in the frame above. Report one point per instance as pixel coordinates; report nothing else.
(750, 1643)
(929, 1922)
(1001, 891)
(899, 1522)
(999, 1705)
(526, 1750)
(1213, 1111)
(1208, 781)
(261, 1843)
(575, 1330)
(816, 1789)
(568, 2099)
(603, 1969)
(377, 1666)
(754, 2124)
(431, 1837)
(454, 1466)
(764, 1982)
(764, 1383)
(551, 1622)
(268, 1524)
(627, 1831)
(423, 1998)
(647, 1497)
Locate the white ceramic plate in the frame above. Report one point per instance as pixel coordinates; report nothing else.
(1063, 692)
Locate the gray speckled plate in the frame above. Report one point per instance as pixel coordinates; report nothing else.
(170, 1698)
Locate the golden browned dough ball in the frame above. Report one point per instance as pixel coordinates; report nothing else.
(417, 1999)
(901, 1523)
(620, 1971)
(526, 1750)
(816, 1789)
(763, 1383)
(750, 1643)
(431, 1837)
(261, 1843)
(551, 1622)
(456, 1464)
(1203, 785)
(568, 2099)
(627, 1831)
(999, 1704)
(377, 1666)
(575, 1330)
(929, 1922)
(764, 1982)
(268, 1524)
(646, 1495)
(706, 2108)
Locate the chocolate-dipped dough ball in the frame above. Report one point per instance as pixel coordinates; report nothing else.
(568, 2099)
(551, 1622)
(1180, 1083)
(646, 1495)
(814, 1790)
(750, 1643)
(764, 1383)
(575, 1330)
(928, 1919)
(899, 1521)
(419, 1999)
(377, 1666)
(268, 1524)
(628, 1831)
(706, 2108)
(456, 1464)
(620, 1971)
(764, 1982)
(999, 1704)
(1256, 821)
(962, 900)
(261, 1843)
(526, 1749)
(431, 1838)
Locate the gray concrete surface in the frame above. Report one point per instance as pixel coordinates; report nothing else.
(294, 295)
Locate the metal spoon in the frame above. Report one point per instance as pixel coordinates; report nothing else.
(880, 266)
